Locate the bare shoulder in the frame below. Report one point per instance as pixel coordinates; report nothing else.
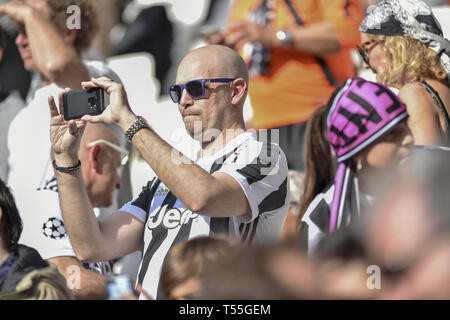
(416, 98)
(412, 90)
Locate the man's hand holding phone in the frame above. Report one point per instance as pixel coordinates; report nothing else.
(65, 136)
(118, 111)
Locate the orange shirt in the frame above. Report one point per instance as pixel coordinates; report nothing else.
(295, 84)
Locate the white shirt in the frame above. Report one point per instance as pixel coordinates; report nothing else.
(29, 139)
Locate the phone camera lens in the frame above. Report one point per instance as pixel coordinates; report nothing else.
(92, 102)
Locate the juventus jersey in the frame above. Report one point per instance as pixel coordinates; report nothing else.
(316, 220)
(260, 168)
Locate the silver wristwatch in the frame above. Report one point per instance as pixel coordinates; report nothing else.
(135, 127)
(284, 36)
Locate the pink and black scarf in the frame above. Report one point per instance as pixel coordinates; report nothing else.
(361, 112)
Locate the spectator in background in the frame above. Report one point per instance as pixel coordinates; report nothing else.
(320, 162)
(402, 43)
(44, 227)
(53, 51)
(297, 52)
(407, 233)
(10, 104)
(23, 273)
(366, 127)
(186, 262)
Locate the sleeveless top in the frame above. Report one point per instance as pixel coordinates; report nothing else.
(435, 95)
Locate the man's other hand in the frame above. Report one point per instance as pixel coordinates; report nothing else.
(65, 136)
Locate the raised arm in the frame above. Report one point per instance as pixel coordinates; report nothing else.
(337, 29)
(92, 286)
(116, 235)
(56, 60)
(217, 195)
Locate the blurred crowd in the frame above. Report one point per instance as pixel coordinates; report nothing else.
(331, 177)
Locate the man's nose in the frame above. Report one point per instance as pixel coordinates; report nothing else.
(21, 39)
(365, 65)
(186, 99)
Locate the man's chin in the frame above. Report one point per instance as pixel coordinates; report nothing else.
(29, 65)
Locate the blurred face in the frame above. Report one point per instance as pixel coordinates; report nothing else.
(207, 112)
(400, 240)
(372, 52)
(391, 150)
(107, 179)
(22, 41)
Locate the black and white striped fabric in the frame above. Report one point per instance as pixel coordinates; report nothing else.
(315, 223)
(258, 166)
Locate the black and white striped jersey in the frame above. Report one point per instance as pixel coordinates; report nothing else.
(260, 168)
(316, 220)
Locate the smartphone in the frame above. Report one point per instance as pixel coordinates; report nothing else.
(117, 285)
(78, 103)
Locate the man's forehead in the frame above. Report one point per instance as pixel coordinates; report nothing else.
(197, 69)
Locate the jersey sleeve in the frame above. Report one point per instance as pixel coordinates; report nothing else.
(140, 206)
(136, 207)
(262, 172)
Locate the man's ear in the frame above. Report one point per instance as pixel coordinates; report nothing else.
(94, 158)
(239, 91)
(70, 36)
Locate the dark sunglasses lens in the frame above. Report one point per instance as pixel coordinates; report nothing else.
(195, 89)
(175, 93)
(363, 54)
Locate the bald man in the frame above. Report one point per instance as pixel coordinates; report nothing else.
(237, 185)
(44, 227)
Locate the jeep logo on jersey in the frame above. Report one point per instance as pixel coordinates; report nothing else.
(171, 218)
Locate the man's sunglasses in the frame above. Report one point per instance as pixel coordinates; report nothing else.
(194, 88)
(364, 49)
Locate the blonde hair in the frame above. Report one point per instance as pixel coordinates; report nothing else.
(408, 60)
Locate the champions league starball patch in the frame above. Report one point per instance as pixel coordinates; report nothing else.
(54, 228)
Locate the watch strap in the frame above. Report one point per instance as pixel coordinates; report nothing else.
(66, 169)
(135, 127)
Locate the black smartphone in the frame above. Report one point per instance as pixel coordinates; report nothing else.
(78, 103)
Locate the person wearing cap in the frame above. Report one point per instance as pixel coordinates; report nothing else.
(403, 43)
(366, 128)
